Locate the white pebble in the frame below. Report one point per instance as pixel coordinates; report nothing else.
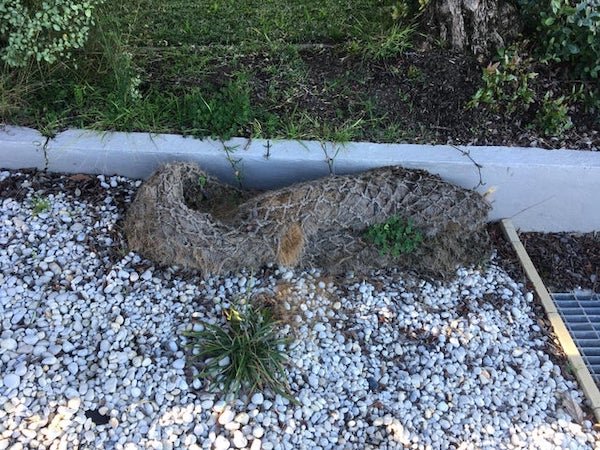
(257, 398)
(179, 364)
(239, 440)
(11, 381)
(9, 344)
(242, 418)
(221, 443)
(226, 416)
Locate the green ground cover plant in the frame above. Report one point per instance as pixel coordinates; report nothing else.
(44, 31)
(396, 236)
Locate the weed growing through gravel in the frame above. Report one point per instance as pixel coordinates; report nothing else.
(395, 236)
(40, 205)
(246, 353)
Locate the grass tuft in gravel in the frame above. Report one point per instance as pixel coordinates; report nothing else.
(247, 353)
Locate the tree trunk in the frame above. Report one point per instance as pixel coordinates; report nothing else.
(476, 26)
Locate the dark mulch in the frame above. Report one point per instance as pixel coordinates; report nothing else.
(565, 261)
(426, 93)
(506, 257)
(44, 183)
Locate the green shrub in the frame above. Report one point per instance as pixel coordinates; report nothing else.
(587, 96)
(569, 32)
(553, 119)
(395, 236)
(43, 31)
(245, 353)
(506, 84)
(507, 90)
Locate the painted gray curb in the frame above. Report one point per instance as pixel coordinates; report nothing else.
(21, 148)
(539, 190)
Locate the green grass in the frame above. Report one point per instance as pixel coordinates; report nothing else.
(390, 43)
(250, 23)
(212, 68)
(246, 353)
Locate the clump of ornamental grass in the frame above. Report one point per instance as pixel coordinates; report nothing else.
(245, 353)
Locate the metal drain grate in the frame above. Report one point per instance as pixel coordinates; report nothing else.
(581, 314)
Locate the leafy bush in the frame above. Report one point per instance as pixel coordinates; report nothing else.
(44, 31)
(246, 353)
(507, 90)
(506, 84)
(569, 32)
(395, 236)
(553, 118)
(587, 96)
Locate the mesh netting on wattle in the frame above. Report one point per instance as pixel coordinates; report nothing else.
(183, 216)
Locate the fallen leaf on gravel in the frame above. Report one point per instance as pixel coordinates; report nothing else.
(572, 408)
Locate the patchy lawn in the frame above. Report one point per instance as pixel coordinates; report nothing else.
(332, 70)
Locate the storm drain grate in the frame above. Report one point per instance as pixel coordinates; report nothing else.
(581, 314)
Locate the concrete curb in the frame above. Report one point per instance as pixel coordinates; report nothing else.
(539, 190)
(21, 147)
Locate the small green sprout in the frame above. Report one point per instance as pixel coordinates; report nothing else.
(40, 205)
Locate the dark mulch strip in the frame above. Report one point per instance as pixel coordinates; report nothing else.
(80, 185)
(507, 258)
(565, 261)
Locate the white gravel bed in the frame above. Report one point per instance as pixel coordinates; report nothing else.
(92, 356)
